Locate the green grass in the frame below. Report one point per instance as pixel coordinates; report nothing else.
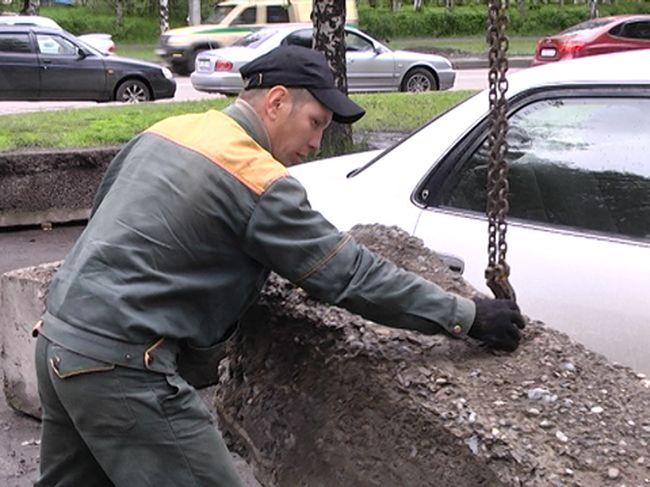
(144, 51)
(519, 45)
(115, 125)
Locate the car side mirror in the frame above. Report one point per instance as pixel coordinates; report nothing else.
(81, 53)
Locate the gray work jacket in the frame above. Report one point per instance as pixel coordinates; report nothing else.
(190, 218)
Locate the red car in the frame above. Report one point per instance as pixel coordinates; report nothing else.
(596, 36)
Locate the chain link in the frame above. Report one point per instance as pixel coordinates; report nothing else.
(498, 271)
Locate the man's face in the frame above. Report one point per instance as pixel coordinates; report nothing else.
(297, 130)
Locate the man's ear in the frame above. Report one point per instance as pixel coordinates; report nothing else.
(276, 101)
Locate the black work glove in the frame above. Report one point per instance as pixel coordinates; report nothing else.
(497, 323)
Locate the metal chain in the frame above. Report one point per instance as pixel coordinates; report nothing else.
(498, 271)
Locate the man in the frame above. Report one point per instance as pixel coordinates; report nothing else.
(189, 220)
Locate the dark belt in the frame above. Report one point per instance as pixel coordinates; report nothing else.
(160, 355)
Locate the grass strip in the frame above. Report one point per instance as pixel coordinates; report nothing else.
(116, 124)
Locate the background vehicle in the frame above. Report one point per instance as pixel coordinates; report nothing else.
(230, 21)
(37, 63)
(596, 36)
(101, 42)
(371, 66)
(579, 221)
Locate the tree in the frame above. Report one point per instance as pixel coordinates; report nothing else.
(119, 13)
(328, 17)
(593, 9)
(30, 7)
(164, 16)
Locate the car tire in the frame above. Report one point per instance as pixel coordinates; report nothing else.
(418, 80)
(132, 91)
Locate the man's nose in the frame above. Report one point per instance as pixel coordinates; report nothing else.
(315, 140)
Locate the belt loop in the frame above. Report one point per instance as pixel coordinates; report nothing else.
(37, 328)
(148, 358)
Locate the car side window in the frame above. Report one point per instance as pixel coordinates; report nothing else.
(636, 30)
(304, 38)
(248, 16)
(573, 162)
(354, 42)
(15, 43)
(276, 14)
(54, 45)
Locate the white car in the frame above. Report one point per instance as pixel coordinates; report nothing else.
(371, 66)
(102, 42)
(579, 222)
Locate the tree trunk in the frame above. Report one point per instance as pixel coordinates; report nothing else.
(194, 12)
(417, 5)
(314, 396)
(328, 17)
(119, 13)
(521, 4)
(30, 7)
(164, 16)
(593, 9)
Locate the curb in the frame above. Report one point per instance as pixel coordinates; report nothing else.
(483, 63)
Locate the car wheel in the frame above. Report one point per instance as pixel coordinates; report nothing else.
(132, 91)
(419, 79)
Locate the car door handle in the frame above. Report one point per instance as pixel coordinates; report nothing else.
(454, 263)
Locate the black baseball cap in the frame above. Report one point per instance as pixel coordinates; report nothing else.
(301, 67)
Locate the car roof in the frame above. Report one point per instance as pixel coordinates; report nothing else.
(629, 67)
(28, 28)
(35, 20)
(294, 26)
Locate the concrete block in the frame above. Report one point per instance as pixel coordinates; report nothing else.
(22, 301)
(50, 186)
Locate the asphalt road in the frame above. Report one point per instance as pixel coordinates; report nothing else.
(466, 79)
(24, 247)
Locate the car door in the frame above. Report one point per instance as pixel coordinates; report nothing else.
(369, 68)
(66, 74)
(19, 70)
(579, 225)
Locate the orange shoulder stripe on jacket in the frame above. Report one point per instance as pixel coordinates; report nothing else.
(223, 141)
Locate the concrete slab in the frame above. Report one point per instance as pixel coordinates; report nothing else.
(22, 300)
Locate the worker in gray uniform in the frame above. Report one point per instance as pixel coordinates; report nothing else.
(190, 218)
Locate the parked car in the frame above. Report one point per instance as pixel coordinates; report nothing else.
(597, 36)
(101, 42)
(579, 221)
(371, 66)
(229, 21)
(38, 63)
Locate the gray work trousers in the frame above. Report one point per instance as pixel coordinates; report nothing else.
(107, 425)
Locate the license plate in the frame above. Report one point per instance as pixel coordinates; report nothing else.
(203, 64)
(548, 52)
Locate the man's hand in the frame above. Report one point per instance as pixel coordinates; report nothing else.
(497, 323)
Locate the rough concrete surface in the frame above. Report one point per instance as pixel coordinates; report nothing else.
(22, 301)
(316, 396)
(50, 186)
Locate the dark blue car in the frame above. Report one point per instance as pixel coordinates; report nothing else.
(38, 63)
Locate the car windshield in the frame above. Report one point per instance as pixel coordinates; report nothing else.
(90, 48)
(255, 39)
(588, 25)
(220, 12)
